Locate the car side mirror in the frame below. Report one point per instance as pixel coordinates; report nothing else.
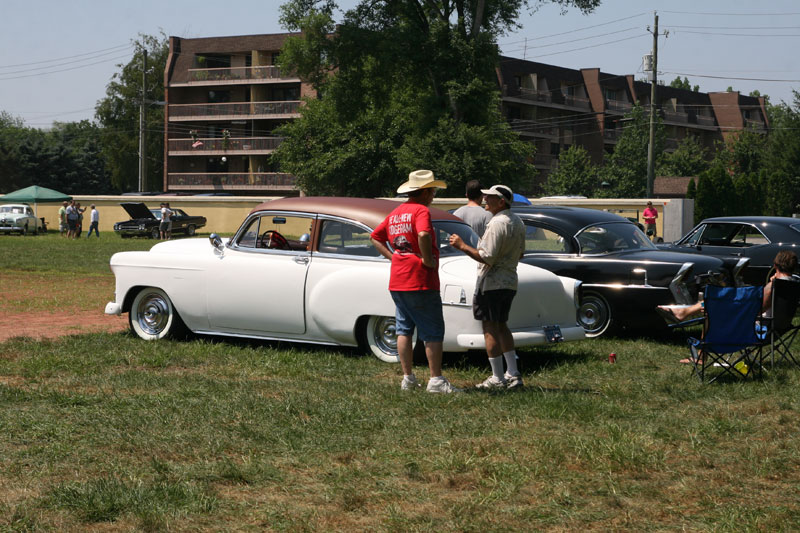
(216, 242)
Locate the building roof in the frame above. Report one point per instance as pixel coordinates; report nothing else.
(671, 186)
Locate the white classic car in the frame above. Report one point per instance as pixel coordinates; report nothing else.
(303, 269)
(19, 218)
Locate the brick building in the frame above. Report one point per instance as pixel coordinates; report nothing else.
(555, 108)
(225, 97)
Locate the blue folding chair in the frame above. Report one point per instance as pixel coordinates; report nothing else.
(729, 342)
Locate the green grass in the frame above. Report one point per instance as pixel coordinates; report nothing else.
(105, 431)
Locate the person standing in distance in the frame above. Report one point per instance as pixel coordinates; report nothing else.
(414, 278)
(163, 226)
(650, 215)
(474, 213)
(498, 253)
(94, 219)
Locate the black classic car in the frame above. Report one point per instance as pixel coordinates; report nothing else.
(144, 222)
(757, 238)
(624, 275)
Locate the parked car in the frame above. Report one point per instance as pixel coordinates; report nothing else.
(144, 222)
(757, 238)
(624, 275)
(19, 218)
(303, 269)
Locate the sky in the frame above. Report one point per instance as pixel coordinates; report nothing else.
(58, 56)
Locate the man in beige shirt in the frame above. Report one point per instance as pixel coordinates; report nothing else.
(497, 254)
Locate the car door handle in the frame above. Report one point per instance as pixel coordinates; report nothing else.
(301, 260)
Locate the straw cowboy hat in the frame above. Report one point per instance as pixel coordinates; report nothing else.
(420, 179)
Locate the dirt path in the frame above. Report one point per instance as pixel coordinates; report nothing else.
(49, 326)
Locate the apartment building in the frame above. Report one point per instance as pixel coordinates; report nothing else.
(555, 107)
(225, 98)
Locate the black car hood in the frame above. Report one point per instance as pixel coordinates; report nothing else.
(702, 262)
(137, 210)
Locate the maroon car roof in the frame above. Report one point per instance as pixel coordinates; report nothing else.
(370, 211)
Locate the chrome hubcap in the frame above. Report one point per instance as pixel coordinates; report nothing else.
(386, 335)
(153, 314)
(593, 314)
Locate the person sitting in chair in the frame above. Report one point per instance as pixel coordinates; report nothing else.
(784, 265)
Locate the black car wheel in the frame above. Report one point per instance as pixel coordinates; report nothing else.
(594, 314)
(154, 233)
(190, 230)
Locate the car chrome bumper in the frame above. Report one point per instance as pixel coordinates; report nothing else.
(113, 308)
(473, 341)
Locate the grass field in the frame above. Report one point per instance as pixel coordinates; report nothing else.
(105, 432)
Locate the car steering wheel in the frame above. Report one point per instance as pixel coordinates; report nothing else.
(274, 240)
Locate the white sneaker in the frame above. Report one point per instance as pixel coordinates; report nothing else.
(441, 385)
(492, 382)
(410, 383)
(513, 381)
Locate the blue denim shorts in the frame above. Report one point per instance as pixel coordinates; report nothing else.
(422, 309)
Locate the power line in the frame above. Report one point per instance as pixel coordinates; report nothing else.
(730, 77)
(63, 69)
(578, 29)
(55, 60)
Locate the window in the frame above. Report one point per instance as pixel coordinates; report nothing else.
(719, 234)
(543, 240)
(748, 236)
(337, 237)
(276, 231)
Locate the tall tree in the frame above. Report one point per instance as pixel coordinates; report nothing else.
(626, 167)
(414, 87)
(118, 114)
(679, 83)
(575, 175)
(689, 159)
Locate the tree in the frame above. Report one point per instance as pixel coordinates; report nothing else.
(677, 83)
(715, 195)
(575, 175)
(414, 87)
(118, 114)
(782, 158)
(626, 167)
(689, 159)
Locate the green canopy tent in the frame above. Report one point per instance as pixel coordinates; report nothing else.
(36, 195)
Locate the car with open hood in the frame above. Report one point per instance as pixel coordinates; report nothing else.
(624, 275)
(303, 269)
(144, 222)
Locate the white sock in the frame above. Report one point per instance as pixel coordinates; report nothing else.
(437, 378)
(497, 366)
(410, 377)
(511, 362)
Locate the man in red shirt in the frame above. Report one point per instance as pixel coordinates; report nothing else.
(414, 277)
(650, 215)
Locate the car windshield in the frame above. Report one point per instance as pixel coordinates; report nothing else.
(11, 209)
(613, 237)
(444, 228)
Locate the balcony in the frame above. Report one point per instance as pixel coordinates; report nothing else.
(611, 135)
(755, 125)
(676, 116)
(619, 106)
(533, 94)
(234, 110)
(574, 101)
(236, 75)
(534, 128)
(704, 120)
(231, 181)
(216, 146)
(544, 160)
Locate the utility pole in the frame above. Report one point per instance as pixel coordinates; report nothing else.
(653, 83)
(142, 122)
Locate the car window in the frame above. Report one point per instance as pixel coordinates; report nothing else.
(276, 232)
(613, 237)
(543, 240)
(694, 237)
(748, 236)
(338, 237)
(719, 234)
(443, 230)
